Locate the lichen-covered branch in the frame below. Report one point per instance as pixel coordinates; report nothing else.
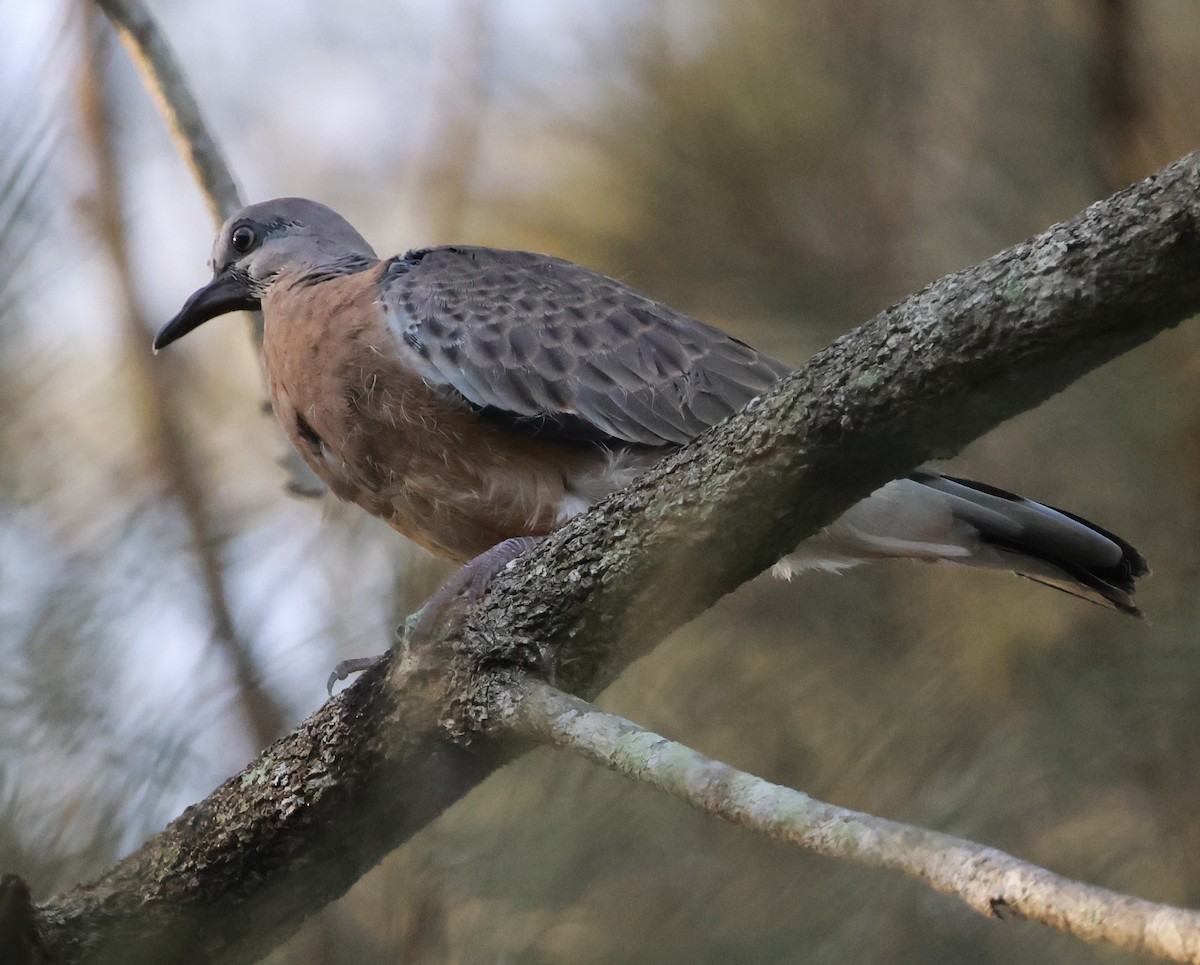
(233, 875)
(991, 882)
(920, 380)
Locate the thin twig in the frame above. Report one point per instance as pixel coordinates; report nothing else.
(164, 79)
(169, 452)
(991, 882)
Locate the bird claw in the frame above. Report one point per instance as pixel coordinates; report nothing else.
(348, 667)
(471, 582)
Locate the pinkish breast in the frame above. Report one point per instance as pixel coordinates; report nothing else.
(415, 456)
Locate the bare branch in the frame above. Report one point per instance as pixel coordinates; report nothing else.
(164, 79)
(169, 452)
(993, 883)
(232, 876)
(922, 379)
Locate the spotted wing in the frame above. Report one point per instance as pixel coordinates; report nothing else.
(554, 349)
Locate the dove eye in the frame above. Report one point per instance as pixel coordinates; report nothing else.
(243, 239)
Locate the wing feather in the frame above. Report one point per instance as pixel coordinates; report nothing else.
(553, 347)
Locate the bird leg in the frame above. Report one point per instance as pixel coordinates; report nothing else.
(345, 668)
(470, 582)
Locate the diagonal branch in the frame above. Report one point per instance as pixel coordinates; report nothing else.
(169, 452)
(232, 876)
(164, 79)
(919, 381)
(168, 86)
(990, 881)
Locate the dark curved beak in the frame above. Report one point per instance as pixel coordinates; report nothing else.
(229, 291)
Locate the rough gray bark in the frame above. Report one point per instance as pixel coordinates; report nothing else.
(233, 875)
(919, 381)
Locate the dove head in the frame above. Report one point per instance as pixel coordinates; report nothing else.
(258, 244)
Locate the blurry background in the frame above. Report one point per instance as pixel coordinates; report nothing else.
(783, 168)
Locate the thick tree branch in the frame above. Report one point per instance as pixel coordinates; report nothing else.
(993, 883)
(919, 381)
(232, 875)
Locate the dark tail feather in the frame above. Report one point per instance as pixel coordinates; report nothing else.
(1045, 544)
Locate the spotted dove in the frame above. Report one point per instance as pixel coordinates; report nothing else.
(471, 396)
